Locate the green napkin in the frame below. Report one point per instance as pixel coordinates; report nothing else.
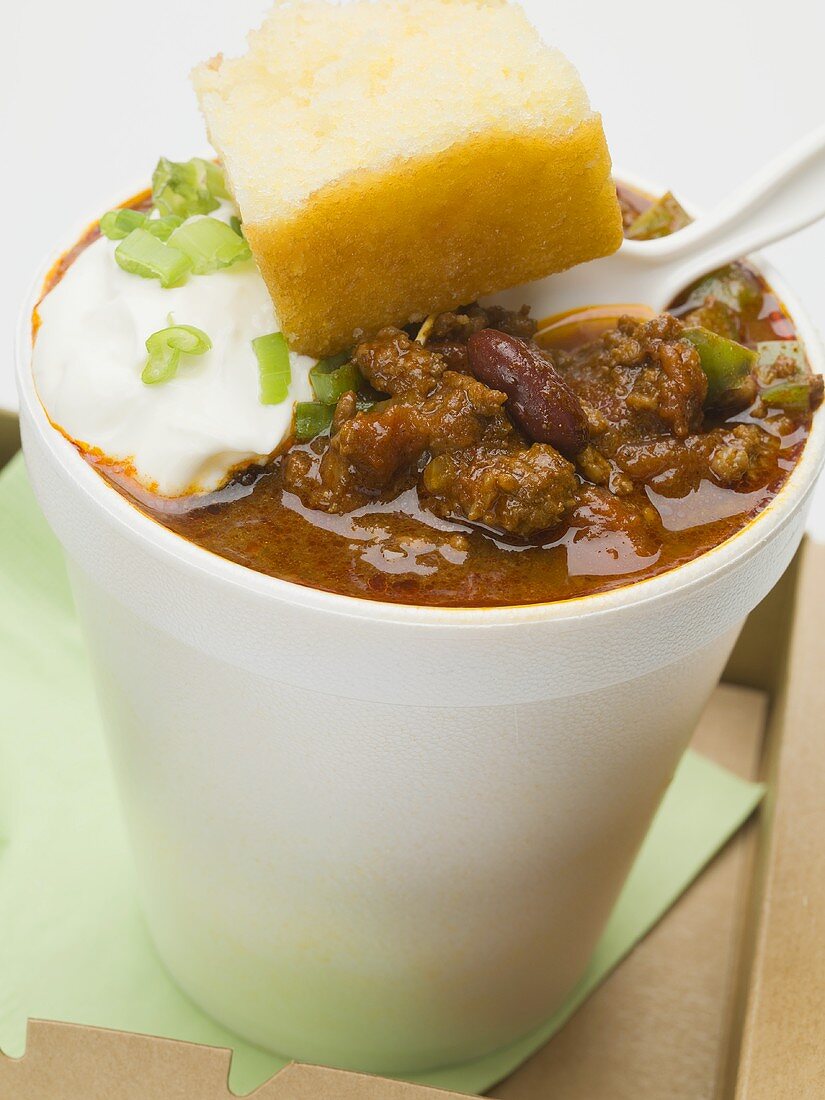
(72, 943)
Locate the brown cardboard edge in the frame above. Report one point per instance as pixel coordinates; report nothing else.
(781, 1039)
(73, 1061)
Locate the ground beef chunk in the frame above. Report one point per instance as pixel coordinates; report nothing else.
(451, 331)
(596, 421)
(393, 363)
(593, 465)
(477, 464)
(380, 449)
(743, 455)
(454, 353)
(462, 324)
(777, 370)
(648, 385)
(642, 378)
(520, 491)
(372, 448)
(517, 323)
(458, 325)
(642, 388)
(376, 445)
(670, 382)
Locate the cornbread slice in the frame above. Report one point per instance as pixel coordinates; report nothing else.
(394, 158)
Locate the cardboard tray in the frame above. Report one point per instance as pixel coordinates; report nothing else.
(724, 999)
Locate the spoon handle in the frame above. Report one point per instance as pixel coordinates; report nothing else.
(787, 195)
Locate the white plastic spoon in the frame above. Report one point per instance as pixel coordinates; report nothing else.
(784, 197)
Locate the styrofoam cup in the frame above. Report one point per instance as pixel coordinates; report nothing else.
(380, 836)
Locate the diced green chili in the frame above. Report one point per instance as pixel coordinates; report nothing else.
(333, 362)
(725, 363)
(662, 217)
(274, 371)
(311, 418)
(795, 390)
(790, 393)
(142, 254)
(333, 377)
(735, 286)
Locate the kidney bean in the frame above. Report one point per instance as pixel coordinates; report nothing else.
(539, 400)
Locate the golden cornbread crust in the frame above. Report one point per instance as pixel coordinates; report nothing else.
(391, 246)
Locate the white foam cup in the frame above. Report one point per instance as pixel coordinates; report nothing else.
(387, 837)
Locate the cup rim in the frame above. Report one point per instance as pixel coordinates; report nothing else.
(164, 544)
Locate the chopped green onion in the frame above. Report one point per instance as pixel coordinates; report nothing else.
(662, 217)
(210, 244)
(165, 348)
(142, 254)
(274, 373)
(118, 224)
(187, 187)
(790, 393)
(331, 378)
(185, 338)
(333, 362)
(162, 228)
(726, 363)
(215, 178)
(311, 418)
(161, 365)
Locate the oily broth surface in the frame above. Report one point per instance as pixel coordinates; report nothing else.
(399, 552)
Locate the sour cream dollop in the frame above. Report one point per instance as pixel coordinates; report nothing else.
(181, 436)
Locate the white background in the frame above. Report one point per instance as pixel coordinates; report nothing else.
(695, 95)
